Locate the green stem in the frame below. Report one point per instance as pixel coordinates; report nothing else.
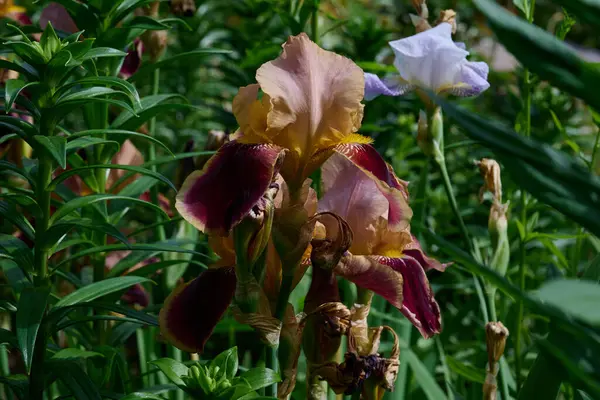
(41, 254)
(272, 362)
(404, 330)
(445, 369)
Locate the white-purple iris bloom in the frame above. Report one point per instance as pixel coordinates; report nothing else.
(430, 60)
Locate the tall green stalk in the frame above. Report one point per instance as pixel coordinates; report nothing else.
(523, 218)
(41, 255)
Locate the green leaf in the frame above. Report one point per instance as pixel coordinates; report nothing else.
(77, 381)
(30, 312)
(260, 377)
(118, 133)
(553, 177)
(132, 314)
(543, 53)
(191, 56)
(60, 228)
(18, 383)
(174, 370)
(74, 354)
(423, 377)
(151, 106)
(100, 52)
(227, 362)
(592, 272)
(132, 247)
(543, 380)
(80, 202)
(49, 41)
(523, 5)
(121, 84)
(30, 73)
(577, 298)
(140, 170)
(10, 213)
(143, 22)
(467, 371)
(586, 10)
(83, 142)
(141, 395)
(17, 279)
(6, 166)
(99, 289)
(19, 252)
(31, 53)
(56, 146)
(12, 89)
(85, 94)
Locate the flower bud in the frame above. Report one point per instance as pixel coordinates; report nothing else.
(495, 334)
(490, 171)
(156, 43)
(436, 132)
(448, 16)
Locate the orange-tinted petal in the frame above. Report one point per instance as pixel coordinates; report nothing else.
(192, 311)
(217, 197)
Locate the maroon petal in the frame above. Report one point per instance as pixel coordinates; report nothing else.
(369, 160)
(59, 17)
(132, 60)
(418, 304)
(192, 311)
(414, 250)
(216, 198)
(370, 272)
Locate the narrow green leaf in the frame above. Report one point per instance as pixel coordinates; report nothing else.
(100, 52)
(74, 354)
(423, 377)
(10, 213)
(174, 370)
(543, 53)
(119, 133)
(141, 395)
(123, 85)
(577, 298)
(466, 371)
(99, 289)
(6, 166)
(83, 142)
(85, 94)
(56, 146)
(80, 202)
(191, 56)
(143, 22)
(18, 383)
(77, 381)
(8, 337)
(586, 10)
(140, 170)
(30, 312)
(592, 272)
(260, 377)
(11, 90)
(63, 226)
(523, 5)
(227, 362)
(49, 40)
(30, 73)
(151, 106)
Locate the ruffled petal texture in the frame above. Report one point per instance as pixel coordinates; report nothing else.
(311, 101)
(370, 272)
(192, 311)
(431, 60)
(346, 185)
(418, 304)
(217, 197)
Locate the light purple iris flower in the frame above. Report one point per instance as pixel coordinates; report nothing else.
(430, 60)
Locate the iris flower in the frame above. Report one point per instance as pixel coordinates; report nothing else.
(305, 107)
(388, 261)
(430, 60)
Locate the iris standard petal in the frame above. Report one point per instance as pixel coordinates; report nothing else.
(368, 160)
(418, 304)
(217, 197)
(192, 311)
(375, 86)
(431, 60)
(315, 97)
(371, 273)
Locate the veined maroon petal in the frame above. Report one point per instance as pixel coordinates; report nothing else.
(419, 305)
(217, 197)
(371, 273)
(415, 251)
(192, 311)
(368, 159)
(132, 60)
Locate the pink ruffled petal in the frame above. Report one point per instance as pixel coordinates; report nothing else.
(394, 190)
(370, 272)
(192, 311)
(217, 197)
(419, 305)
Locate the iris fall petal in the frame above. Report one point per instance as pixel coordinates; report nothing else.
(217, 197)
(192, 311)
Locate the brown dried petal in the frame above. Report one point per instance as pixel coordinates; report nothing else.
(448, 16)
(496, 334)
(490, 171)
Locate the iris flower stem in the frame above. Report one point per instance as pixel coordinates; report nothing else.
(527, 132)
(441, 162)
